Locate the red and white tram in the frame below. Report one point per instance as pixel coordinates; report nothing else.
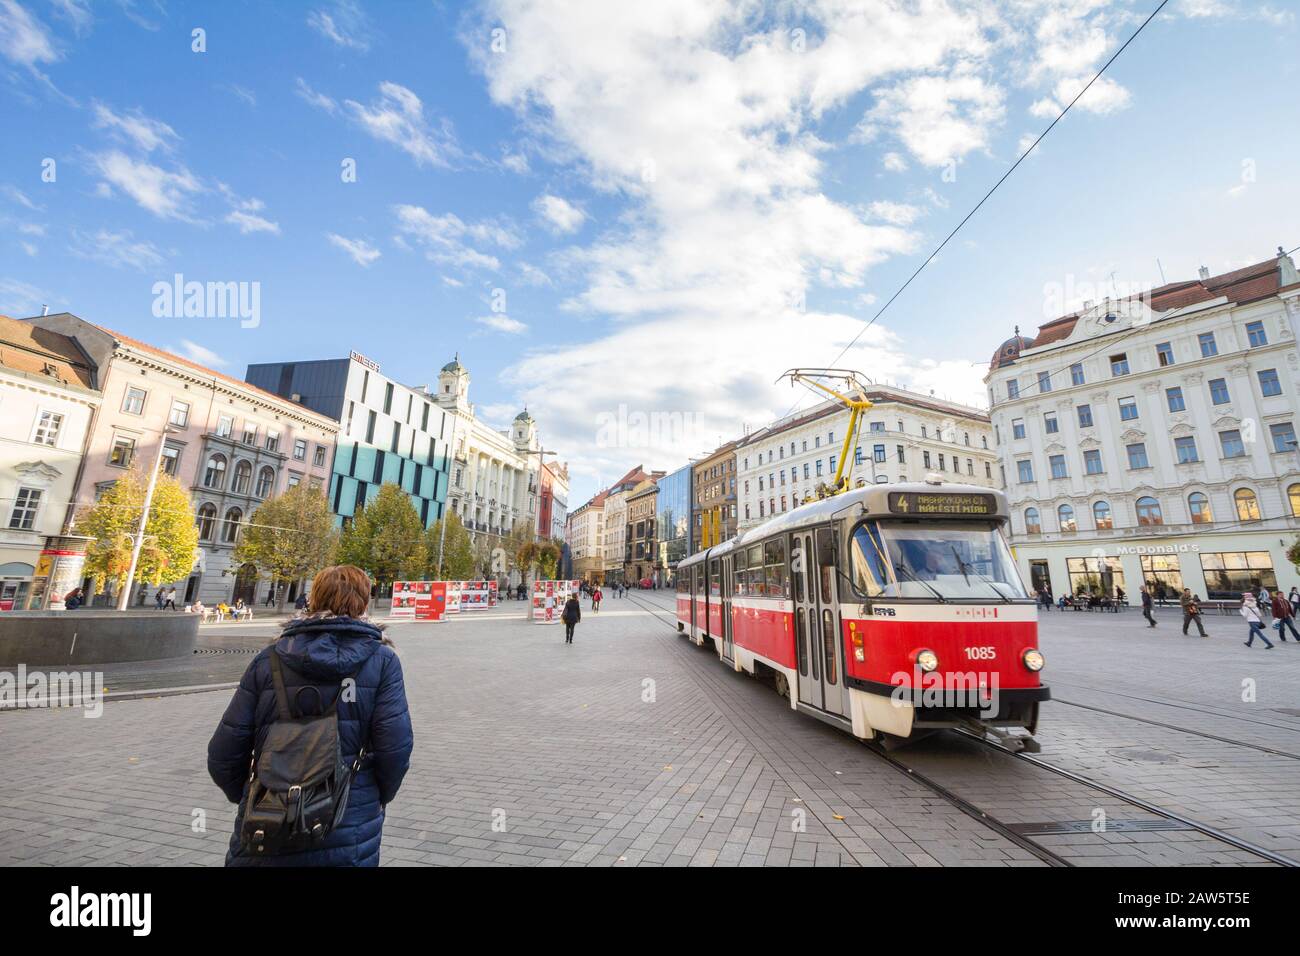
(887, 610)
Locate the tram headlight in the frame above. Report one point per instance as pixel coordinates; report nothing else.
(927, 660)
(1033, 659)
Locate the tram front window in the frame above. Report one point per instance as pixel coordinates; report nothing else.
(938, 561)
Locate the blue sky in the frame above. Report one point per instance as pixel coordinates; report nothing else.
(611, 210)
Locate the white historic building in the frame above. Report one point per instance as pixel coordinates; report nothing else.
(1152, 439)
(585, 535)
(494, 474)
(903, 437)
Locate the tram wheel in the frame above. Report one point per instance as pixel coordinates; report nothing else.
(783, 685)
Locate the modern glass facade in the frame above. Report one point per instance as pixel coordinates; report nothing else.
(673, 518)
(387, 433)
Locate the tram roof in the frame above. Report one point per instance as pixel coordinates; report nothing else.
(868, 500)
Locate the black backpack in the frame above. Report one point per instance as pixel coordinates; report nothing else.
(298, 785)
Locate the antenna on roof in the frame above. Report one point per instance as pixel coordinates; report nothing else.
(1163, 280)
(45, 309)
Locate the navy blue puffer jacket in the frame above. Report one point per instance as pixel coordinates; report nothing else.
(321, 652)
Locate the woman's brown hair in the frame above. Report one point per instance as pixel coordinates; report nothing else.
(343, 590)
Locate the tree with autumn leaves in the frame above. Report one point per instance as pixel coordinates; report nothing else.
(290, 537)
(171, 539)
(386, 538)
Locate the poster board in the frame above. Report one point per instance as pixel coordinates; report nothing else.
(453, 597)
(474, 595)
(549, 598)
(419, 600)
(493, 595)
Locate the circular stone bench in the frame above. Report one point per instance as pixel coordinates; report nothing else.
(91, 636)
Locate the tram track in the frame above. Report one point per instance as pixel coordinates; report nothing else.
(1047, 854)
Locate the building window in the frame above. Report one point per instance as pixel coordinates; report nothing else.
(1174, 396)
(230, 531)
(123, 452)
(1017, 428)
(272, 440)
(1032, 523)
(171, 460)
(1065, 516)
(1119, 364)
(206, 519)
(1137, 455)
(1050, 424)
(1198, 506)
(1269, 383)
(1025, 471)
(1148, 512)
(265, 480)
(250, 433)
(1044, 381)
(1013, 391)
(1255, 334)
(214, 476)
(180, 415)
(1283, 436)
(1162, 576)
(1219, 391)
(1101, 516)
(242, 479)
(1057, 463)
(1230, 574)
(1186, 449)
(988, 470)
(925, 458)
(1247, 504)
(1209, 348)
(1085, 416)
(133, 403)
(319, 458)
(1293, 497)
(1128, 409)
(877, 454)
(26, 504)
(47, 428)
(1092, 462)
(225, 425)
(1099, 576)
(1231, 444)
(1076, 374)
(300, 449)
(1165, 354)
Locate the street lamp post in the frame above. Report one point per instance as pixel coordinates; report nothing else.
(125, 600)
(442, 532)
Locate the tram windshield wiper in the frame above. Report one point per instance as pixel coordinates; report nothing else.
(899, 566)
(983, 577)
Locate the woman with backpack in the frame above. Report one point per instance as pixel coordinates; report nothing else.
(571, 615)
(317, 739)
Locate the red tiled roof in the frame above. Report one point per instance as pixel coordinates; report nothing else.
(28, 348)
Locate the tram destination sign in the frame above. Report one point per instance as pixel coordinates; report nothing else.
(927, 503)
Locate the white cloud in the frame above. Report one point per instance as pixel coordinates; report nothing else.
(246, 213)
(397, 117)
(18, 196)
(244, 93)
(168, 195)
(894, 162)
(940, 118)
(318, 100)
(76, 12)
(24, 39)
(446, 238)
(515, 162)
(19, 299)
(29, 248)
(145, 133)
(200, 354)
(116, 249)
(532, 275)
(362, 252)
(894, 213)
(344, 24)
(560, 215)
(502, 323)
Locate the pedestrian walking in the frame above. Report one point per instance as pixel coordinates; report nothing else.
(1147, 605)
(1294, 598)
(571, 615)
(1250, 611)
(159, 598)
(171, 598)
(1191, 611)
(326, 702)
(596, 598)
(301, 603)
(1284, 617)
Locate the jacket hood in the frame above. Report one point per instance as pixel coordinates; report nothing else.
(328, 648)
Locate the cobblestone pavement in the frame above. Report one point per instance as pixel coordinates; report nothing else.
(632, 747)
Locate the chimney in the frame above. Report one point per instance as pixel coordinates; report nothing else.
(45, 310)
(1204, 273)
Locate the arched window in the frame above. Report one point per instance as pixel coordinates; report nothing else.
(230, 533)
(1293, 496)
(1247, 505)
(206, 518)
(215, 475)
(265, 479)
(1065, 515)
(1148, 512)
(1032, 524)
(242, 479)
(1199, 507)
(1101, 516)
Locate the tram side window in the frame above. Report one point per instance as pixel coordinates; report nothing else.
(715, 589)
(754, 558)
(774, 561)
(796, 567)
(826, 563)
(698, 573)
(869, 566)
(740, 574)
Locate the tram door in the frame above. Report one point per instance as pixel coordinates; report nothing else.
(831, 648)
(728, 591)
(804, 592)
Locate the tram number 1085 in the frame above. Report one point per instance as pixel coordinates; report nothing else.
(981, 653)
